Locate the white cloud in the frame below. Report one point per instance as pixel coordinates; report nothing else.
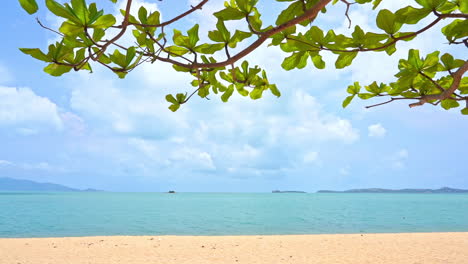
(194, 158)
(403, 154)
(38, 166)
(310, 157)
(312, 123)
(376, 130)
(135, 110)
(136, 4)
(22, 108)
(398, 160)
(204, 134)
(5, 163)
(205, 131)
(27, 131)
(344, 171)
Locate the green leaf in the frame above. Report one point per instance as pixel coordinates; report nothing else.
(411, 15)
(94, 14)
(226, 35)
(175, 51)
(366, 96)
(238, 37)
(105, 21)
(390, 49)
(240, 89)
(431, 4)
(358, 35)
(203, 92)
(59, 10)
(229, 13)
(118, 58)
(256, 94)
(131, 52)
(29, 6)
(464, 111)
(448, 104)
(142, 14)
(318, 62)
(373, 88)
(296, 60)
(181, 97)
(315, 34)
(227, 94)
(208, 48)
(193, 36)
(354, 89)
(375, 4)
(37, 54)
(291, 12)
(456, 30)
(414, 59)
(463, 6)
(57, 70)
(449, 62)
(274, 90)
(170, 98)
(386, 21)
(431, 60)
(80, 10)
(347, 101)
(345, 59)
(246, 6)
(70, 29)
(174, 107)
(98, 34)
(154, 18)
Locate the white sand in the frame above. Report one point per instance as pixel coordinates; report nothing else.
(412, 248)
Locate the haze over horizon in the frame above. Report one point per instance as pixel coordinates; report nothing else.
(96, 131)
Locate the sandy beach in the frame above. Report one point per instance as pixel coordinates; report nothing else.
(413, 248)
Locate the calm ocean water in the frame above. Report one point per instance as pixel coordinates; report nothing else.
(95, 214)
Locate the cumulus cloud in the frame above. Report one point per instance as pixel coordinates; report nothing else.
(207, 134)
(203, 135)
(376, 130)
(23, 109)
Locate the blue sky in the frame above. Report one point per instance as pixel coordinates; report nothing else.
(95, 130)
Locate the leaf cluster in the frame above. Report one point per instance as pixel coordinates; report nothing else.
(89, 35)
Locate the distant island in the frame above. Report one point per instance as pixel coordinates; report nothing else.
(278, 191)
(18, 185)
(379, 190)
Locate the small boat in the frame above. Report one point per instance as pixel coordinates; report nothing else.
(171, 192)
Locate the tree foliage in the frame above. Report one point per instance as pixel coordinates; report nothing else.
(90, 36)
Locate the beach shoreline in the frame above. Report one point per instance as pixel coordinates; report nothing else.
(379, 248)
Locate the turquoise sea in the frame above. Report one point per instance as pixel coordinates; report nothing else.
(102, 213)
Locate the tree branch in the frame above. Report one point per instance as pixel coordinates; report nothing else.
(348, 4)
(391, 100)
(457, 76)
